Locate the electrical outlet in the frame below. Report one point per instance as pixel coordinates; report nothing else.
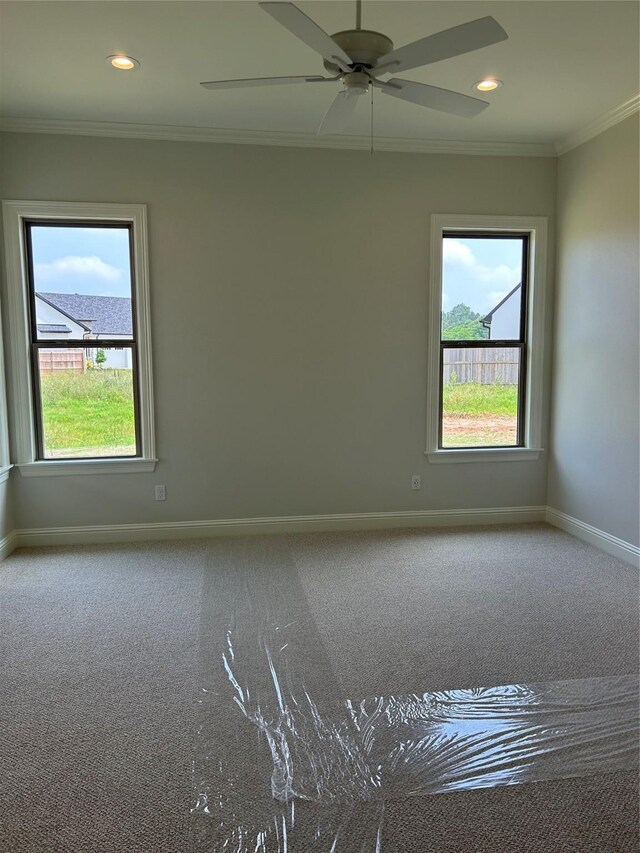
(416, 482)
(161, 493)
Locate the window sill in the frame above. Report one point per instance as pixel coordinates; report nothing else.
(73, 467)
(502, 454)
(4, 473)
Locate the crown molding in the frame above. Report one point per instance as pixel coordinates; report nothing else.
(598, 125)
(174, 133)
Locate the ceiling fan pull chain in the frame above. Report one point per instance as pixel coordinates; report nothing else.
(371, 149)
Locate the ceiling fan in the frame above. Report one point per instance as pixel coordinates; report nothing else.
(358, 57)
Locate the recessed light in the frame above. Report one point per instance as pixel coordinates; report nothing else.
(487, 85)
(122, 62)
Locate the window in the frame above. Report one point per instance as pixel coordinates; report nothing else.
(81, 350)
(486, 326)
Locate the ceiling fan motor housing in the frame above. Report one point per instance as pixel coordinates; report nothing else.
(365, 48)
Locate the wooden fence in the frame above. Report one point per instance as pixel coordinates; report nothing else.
(61, 359)
(486, 366)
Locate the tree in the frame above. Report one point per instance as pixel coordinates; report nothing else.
(462, 324)
(100, 357)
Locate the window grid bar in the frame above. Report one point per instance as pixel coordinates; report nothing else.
(494, 235)
(84, 343)
(482, 344)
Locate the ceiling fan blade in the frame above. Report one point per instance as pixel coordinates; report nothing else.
(452, 42)
(431, 96)
(339, 113)
(308, 31)
(264, 81)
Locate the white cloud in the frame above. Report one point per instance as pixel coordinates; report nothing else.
(446, 299)
(73, 265)
(480, 285)
(455, 252)
(502, 275)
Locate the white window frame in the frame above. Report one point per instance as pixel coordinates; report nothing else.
(536, 227)
(14, 214)
(5, 462)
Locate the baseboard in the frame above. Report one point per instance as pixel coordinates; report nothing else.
(605, 541)
(8, 544)
(102, 533)
(284, 524)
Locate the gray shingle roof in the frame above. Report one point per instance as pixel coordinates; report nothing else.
(58, 328)
(104, 315)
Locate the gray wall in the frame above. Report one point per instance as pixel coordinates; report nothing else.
(593, 471)
(289, 300)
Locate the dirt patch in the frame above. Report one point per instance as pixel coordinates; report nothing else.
(91, 452)
(479, 429)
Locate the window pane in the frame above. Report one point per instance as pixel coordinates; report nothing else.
(81, 282)
(481, 288)
(87, 402)
(480, 397)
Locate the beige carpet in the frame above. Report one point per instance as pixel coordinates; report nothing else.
(105, 650)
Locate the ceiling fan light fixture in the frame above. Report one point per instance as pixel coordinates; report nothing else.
(489, 84)
(356, 83)
(123, 62)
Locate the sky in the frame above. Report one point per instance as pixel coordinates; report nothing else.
(479, 272)
(82, 260)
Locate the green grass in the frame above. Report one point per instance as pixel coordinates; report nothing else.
(92, 413)
(472, 398)
(88, 414)
(476, 415)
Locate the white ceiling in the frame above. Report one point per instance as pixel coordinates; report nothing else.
(564, 65)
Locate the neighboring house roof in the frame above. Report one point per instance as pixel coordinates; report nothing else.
(58, 328)
(57, 307)
(486, 320)
(101, 315)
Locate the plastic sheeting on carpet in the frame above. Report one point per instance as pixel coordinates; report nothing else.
(284, 763)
